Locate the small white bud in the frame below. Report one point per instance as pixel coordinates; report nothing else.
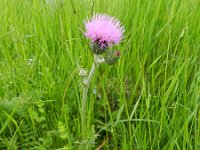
(82, 72)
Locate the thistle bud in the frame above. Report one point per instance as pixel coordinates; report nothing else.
(112, 57)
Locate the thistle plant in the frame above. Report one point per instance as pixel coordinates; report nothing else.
(104, 32)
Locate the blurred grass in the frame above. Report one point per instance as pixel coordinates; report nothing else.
(149, 100)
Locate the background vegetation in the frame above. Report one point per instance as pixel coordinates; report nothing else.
(149, 100)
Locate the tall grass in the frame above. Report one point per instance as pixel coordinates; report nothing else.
(149, 100)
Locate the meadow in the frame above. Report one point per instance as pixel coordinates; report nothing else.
(148, 100)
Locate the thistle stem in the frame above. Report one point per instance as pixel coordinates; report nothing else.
(86, 86)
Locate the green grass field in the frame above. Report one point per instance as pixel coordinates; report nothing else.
(149, 100)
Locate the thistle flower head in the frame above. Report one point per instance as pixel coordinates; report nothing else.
(104, 31)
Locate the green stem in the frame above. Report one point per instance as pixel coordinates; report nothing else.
(87, 82)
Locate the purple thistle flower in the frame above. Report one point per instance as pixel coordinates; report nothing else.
(104, 31)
